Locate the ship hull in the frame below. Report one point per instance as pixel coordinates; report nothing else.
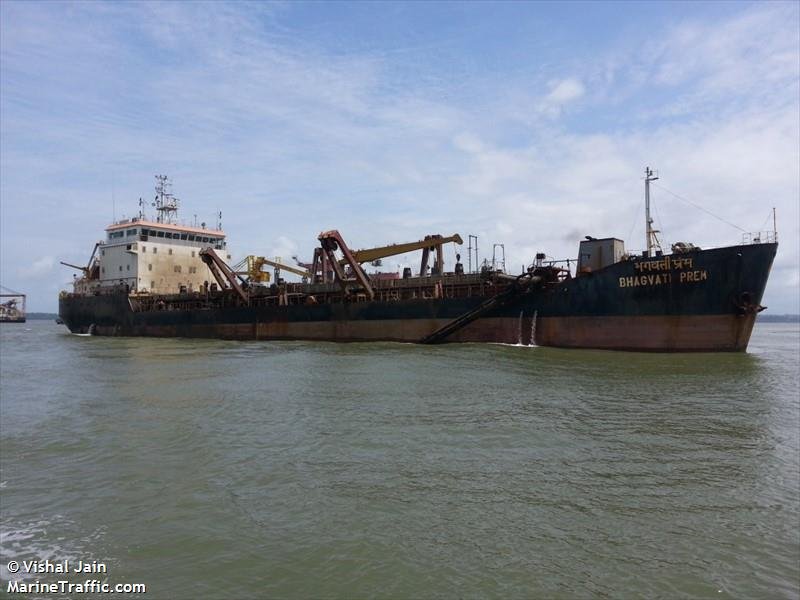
(701, 301)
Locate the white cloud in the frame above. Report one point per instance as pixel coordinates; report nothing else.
(39, 268)
(562, 92)
(288, 139)
(283, 249)
(565, 91)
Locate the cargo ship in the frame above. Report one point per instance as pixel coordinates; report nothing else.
(12, 306)
(160, 278)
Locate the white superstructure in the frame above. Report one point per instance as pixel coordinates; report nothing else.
(157, 257)
(162, 258)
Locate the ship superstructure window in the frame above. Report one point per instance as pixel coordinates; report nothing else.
(192, 253)
(160, 234)
(144, 248)
(169, 251)
(184, 236)
(130, 232)
(150, 267)
(155, 250)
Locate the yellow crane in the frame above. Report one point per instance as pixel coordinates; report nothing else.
(252, 265)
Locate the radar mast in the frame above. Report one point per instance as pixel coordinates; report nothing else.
(165, 203)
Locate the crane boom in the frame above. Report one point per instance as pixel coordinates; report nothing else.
(222, 273)
(253, 265)
(66, 264)
(283, 267)
(370, 254)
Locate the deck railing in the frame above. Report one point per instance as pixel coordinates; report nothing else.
(760, 237)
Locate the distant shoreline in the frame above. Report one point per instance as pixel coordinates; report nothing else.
(40, 316)
(779, 318)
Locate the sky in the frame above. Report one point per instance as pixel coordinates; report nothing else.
(526, 124)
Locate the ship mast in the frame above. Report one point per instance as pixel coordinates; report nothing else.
(165, 203)
(652, 239)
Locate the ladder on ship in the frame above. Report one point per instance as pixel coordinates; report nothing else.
(468, 317)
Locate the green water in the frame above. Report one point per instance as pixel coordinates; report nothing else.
(232, 470)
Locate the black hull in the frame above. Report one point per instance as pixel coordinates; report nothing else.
(705, 300)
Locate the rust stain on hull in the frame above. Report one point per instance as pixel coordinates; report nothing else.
(708, 333)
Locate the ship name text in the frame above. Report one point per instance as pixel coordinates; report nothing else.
(661, 271)
(663, 278)
(664, 264)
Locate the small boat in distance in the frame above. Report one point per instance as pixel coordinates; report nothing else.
(12, 306)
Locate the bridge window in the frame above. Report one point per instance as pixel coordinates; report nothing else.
(184, 236)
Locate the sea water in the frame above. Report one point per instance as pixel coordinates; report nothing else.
(206, 468)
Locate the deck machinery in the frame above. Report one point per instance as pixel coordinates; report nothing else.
(342, 280)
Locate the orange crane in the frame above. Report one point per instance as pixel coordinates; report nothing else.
(224, 275)
(431, 242)
(325, 261)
